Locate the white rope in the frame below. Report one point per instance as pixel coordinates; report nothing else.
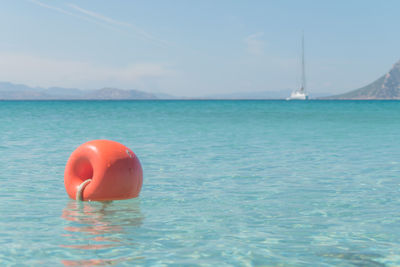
(80, 188)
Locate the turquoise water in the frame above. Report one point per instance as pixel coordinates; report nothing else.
(226, 183)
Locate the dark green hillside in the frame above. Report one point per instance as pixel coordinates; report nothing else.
(386, 87)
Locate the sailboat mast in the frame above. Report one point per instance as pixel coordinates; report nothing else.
(303, 71)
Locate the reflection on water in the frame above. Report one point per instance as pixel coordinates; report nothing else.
(98, 230)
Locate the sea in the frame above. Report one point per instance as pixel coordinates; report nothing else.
(226, 183)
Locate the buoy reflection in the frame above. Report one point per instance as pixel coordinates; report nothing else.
(98, 227)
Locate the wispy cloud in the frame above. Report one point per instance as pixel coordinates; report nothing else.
(66, 12)
(99, 16)
(254, 44)
(52, 7)
(39, 71)
(105, 21)
(140, 32)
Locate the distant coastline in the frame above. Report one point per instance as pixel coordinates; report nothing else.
(11, 91)
(387, 87)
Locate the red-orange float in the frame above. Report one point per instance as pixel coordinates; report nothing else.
(103, 170)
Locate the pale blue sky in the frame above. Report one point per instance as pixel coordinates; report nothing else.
(196, 48)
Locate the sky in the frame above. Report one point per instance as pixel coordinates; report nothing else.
(198, 48)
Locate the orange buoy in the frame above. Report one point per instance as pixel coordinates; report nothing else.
(102, 170)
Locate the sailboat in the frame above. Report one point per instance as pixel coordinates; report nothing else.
(300, 94)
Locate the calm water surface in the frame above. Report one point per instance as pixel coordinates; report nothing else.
(226, 183)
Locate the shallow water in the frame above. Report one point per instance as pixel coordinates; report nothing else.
(226, 183)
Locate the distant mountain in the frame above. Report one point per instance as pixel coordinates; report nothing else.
(386, 87)
(7, 86)
(10, 91)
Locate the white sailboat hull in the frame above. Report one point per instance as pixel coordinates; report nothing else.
(297, 96)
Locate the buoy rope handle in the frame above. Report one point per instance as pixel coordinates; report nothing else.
(81, 187)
